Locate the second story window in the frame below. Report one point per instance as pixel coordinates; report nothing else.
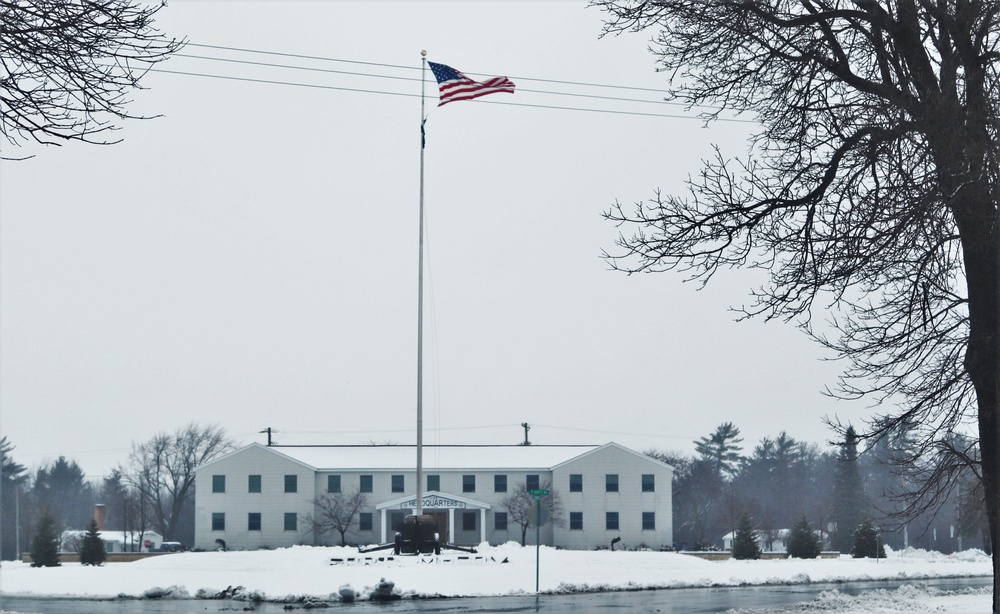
(218, 483)
(468, 483)
(576, 482)
(648, 482)
(611, 482)
(531, 482)
(291, 483)
(333, 483)
(500, 482)
(397, 483)
(366, 483)
(253, 483)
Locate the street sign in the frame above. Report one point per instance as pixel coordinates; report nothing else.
(538, 492)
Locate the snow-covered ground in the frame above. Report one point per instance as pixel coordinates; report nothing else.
(308, 571)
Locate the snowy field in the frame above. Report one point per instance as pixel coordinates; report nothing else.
(291, 573)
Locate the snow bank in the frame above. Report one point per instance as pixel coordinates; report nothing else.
(304, 572)
(907, 598)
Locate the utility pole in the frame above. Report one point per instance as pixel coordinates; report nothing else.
(526, 429)
(268, 431)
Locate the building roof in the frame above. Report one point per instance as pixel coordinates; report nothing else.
(435, 458)
(444, 458)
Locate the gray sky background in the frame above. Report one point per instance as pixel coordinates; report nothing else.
(250, 257)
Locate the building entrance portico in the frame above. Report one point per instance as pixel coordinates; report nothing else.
(439, 505)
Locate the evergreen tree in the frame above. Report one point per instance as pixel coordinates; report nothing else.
(866, 541)
(849, 500)
(45, 543)
(722, 449)
(92, 551)
(63, 490)
(12, 476)
(802, 541)
(744, 541)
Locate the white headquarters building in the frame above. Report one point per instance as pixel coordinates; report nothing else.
(259, 496)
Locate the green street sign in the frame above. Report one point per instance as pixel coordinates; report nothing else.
(538, 492)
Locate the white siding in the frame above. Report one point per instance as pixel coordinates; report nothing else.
(272, 503)
(630, 502)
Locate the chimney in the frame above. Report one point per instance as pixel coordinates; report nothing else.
(99, 515)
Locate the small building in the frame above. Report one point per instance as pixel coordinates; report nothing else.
(261, 496)
(772, 540)
(114, 541)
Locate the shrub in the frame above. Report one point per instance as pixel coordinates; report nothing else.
(744, 541)
(92, 551)
(866, 541)
(45, 543)
(802, 541)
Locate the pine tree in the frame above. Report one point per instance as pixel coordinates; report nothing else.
(848, 493)
(744, 541)
(866, 541)
(802, 541)
(722, 448)
(92, 551)
(45, 544)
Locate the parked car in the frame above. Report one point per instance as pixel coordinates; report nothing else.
(171, 547)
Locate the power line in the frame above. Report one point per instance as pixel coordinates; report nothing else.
(415, 79)
(710, 111)
(404, 67)
(388, 93)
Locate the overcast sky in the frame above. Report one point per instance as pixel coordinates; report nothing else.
(250, 257)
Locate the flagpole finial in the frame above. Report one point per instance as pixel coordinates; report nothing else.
(423, 53)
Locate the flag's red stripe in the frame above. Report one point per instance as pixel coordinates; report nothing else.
(469, 89)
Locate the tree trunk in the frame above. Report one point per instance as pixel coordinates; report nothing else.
(981, 246)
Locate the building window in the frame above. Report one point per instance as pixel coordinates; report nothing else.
(649, 521)
(611, 521)
(469, 521)
(500, 482)
(291, 521)
(333, 483)
(611, 482)
(253, 483)
(576, 482)
(433, 482)
(500, 521)
(648, 482)
(366, 483)
(291, 483)
(218, 483)
(531, 482)
(397, 483)
(468, 483)
(365, 521)
(218, 521)
(576, 521)
(253, 521)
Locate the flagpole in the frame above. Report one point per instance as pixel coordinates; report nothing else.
(420, 304)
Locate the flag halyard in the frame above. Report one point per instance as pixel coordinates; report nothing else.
(453, 85)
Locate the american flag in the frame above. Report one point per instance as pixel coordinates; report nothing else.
(453, 85)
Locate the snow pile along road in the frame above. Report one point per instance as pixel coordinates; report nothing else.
(291, 573)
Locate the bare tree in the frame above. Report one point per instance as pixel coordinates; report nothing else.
(127, 509)
(336, 511)
(70, 66)
(518, 505)
(163, 470)
(870, 193)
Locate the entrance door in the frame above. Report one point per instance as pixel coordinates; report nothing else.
(441, 518)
